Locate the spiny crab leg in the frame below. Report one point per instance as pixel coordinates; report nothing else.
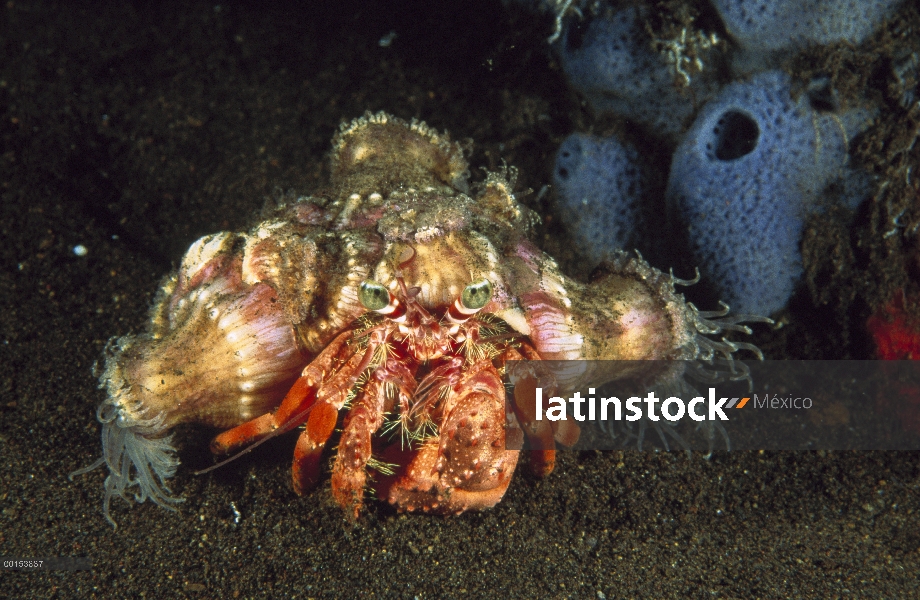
(314, 387)
(316, 397)
(390, 384)
(310, 444)
(349, 473)
(330, 398)
(403, 388)
(431, 389)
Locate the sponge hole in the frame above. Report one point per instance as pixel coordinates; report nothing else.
(736, 135)
(822, 96)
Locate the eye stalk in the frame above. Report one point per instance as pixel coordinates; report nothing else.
(476, 295)
(373, 296)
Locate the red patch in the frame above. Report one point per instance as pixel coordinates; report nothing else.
(896, 334)
(897, 337)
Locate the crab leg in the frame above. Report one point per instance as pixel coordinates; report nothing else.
(330, 398)
(293, 409)
(387, 386)
(309, 449)
(539, 433)
(349, 470)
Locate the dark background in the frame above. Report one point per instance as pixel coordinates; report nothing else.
(135, 128)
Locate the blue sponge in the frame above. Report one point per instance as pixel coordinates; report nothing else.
(599, 192)
(764, 27)
(610, 61)
(742, 181)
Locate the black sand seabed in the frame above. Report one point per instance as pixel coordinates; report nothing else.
(134, 129)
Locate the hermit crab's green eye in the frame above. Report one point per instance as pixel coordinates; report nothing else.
(476, 295)
(373, 296)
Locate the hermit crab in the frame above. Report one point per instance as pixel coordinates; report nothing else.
(389, 304)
